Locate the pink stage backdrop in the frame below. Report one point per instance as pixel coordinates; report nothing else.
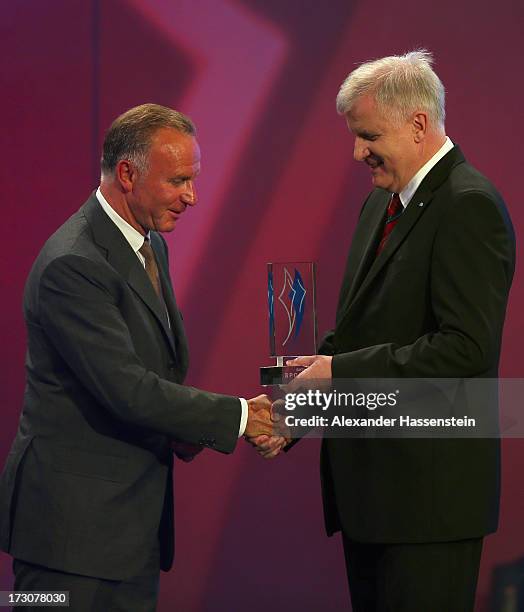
(259, 77)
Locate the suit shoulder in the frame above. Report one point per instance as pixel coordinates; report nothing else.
(466, 179)
(469, 190)
(71, 241)
(73, 237)
(469, 200)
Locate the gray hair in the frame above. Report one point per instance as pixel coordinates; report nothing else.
(130, 134)
(400, 85)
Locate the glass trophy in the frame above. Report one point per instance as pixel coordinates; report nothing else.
(292, 318)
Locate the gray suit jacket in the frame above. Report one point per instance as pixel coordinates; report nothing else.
(87, 486)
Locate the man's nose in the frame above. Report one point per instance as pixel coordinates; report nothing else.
(189, 196)
(360, 151)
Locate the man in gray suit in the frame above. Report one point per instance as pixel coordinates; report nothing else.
(86, 494)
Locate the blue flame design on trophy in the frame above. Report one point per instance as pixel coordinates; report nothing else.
(292, 321)
(295, 303)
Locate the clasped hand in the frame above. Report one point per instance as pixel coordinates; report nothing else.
(265, 429)
(261, 433)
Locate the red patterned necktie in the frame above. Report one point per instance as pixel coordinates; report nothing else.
(395, 209)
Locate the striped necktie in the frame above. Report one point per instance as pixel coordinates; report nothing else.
(151, 267)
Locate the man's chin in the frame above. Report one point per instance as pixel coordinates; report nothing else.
(167, 225)
(165, 228)
(379, 179)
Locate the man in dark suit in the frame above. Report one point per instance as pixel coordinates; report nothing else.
(423, 296)
(86, 500)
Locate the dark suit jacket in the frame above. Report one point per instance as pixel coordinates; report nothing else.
(431, 305)
(87, 485)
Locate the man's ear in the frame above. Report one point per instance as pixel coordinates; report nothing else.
(126, 174)
(419, 125)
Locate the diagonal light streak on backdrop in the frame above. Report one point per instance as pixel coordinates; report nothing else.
(228, 46)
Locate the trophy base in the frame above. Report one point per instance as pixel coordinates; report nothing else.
(278, 375)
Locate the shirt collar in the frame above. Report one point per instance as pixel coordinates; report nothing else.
(135, 238)
(409, 190)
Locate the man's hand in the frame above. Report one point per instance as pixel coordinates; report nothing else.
(268, 447)
(317, 367)
(259, 420)
(264, 427)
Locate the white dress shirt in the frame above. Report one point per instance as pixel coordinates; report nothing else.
(136, 240)
(409, 190)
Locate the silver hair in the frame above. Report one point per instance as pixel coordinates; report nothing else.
(400, 85)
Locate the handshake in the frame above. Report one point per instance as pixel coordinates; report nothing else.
(265, 428)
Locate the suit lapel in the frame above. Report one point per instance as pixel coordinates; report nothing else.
(402, 229)
(141, 285)
(363, 249)
(413, 212)
(123, 259)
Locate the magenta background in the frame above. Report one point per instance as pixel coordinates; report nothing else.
(259, 77)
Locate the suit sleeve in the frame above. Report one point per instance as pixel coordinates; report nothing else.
(78, 309)
(471, 271)
(327, 346)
